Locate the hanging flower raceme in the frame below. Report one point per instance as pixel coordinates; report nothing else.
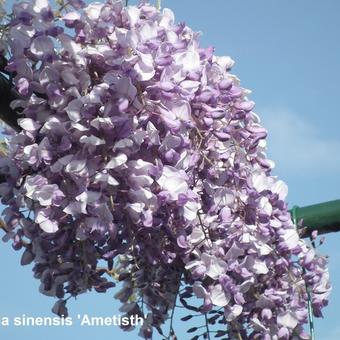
(140, 148)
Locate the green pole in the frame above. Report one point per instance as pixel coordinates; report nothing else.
(323, 217)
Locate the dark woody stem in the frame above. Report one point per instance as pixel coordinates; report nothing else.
(7, 94)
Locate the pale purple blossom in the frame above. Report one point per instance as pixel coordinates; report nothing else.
(139, 148)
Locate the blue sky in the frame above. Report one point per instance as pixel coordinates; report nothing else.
(288, 54)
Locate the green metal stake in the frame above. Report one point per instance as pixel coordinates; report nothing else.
(323, 217)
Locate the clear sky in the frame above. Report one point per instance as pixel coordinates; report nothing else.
(288, 54)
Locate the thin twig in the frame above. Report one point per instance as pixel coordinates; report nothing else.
(309, 301)
(207, 325)
(171, 329)
(3, 225)
(310, 315)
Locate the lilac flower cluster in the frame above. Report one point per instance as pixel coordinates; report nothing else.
(140, 148)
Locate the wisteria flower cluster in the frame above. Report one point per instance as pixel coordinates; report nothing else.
(140, 156)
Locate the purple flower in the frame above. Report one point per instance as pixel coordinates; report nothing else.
(140, 152)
